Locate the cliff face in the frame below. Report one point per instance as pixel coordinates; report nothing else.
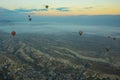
(41, 58)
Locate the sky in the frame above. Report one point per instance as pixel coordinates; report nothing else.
(63, 7)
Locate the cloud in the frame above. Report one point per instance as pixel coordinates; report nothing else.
(63, 9)
(88, 7)
(5, 11)
(10, 15)
(25, 10)
(43, 10)
(29, 10)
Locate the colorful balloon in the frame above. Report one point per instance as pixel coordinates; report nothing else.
(13, 33)
(46, 6)
(80, 33)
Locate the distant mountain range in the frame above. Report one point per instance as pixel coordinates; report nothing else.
(108, 20)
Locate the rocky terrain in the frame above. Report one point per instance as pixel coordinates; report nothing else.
(56, 57)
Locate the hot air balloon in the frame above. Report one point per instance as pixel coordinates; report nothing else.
(30, 19)
(13, 33)
(80, 33)
(114, 38)
(46, 6)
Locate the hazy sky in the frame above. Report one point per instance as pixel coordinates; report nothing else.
(63, 7)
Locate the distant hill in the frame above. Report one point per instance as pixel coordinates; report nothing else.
(106, 20)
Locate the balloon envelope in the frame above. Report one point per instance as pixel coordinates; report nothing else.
(30, 19)
(46, 6)
(13, 33)
(114, 38)
(80, 33)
